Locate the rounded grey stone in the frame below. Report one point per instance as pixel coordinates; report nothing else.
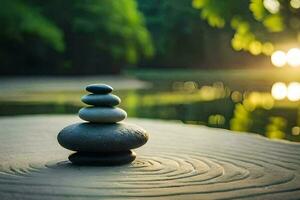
(91, 137)
(99, 88)
(101, 99)
(102, 159)
(102, 114)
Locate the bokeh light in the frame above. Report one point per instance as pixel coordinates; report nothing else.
(279, 91)
(272, 6)
(236, 96)
(278, 58)
(296, 130)
(295, 4)
(293, 91)
(267, 48)
(255, 48)
(216, 119)
(293, 57)
(190, 86)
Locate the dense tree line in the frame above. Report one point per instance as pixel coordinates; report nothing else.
(71, 36)
(105, 36)
(183, 40)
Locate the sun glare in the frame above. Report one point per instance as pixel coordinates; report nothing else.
(295, 4)
(278, 58)
(272, 6)
(293, 91)
(279, 91)
(293, 57)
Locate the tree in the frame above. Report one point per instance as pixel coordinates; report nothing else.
(178, 34)
(19, 18)
(71, 36)
(116, 28)
(258, 24)
(183, 41)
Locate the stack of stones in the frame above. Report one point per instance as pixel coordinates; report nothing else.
(102, 140)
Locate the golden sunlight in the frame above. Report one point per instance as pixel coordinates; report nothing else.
(272, 6)
(293, 91)
(293, 57)
(278, 58)
(295, 4)
(279, 90)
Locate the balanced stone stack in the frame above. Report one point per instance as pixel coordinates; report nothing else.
(102, 140)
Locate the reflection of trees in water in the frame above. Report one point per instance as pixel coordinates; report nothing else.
(213, 105)
(249, 112)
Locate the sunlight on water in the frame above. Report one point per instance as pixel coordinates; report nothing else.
(293, 93)
(293, 57)
(273, 113)
(279, 91)
(296, 130)
(278, 58)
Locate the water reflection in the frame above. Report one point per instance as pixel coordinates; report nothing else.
(281, 91)
(296, 130)
(273, 113)
(291, 58)
(216, 105)
(293, 92)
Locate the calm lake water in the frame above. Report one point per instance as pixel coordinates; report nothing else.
(214, 105)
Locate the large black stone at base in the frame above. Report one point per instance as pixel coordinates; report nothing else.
(102, 159)
(102, 138)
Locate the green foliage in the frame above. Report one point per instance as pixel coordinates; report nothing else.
(251, 20)
(178, 34)
(274, 23)
(102, 35)
(257, 8)
(18, 17)
(214, 11)
(115, 26)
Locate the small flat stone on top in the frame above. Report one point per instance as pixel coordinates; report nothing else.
(99, 88)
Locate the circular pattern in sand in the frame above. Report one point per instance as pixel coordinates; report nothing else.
(202, 164)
